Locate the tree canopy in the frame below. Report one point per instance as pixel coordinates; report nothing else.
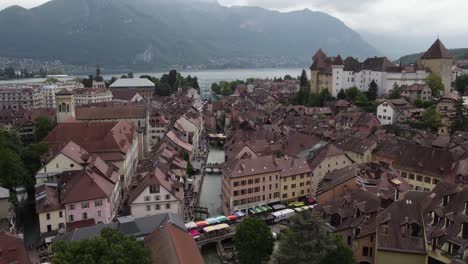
(43, 126)
(460, 119)
(304, 82)
(435, 83)
(461, 84)
(372, 93)
(253, 241)
(110, 247)
(395, 92)
(308, 241)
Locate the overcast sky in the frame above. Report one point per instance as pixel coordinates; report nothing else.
(415, 20)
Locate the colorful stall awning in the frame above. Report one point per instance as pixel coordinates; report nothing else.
(201, 223)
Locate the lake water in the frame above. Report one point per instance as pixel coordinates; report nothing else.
(205, 78)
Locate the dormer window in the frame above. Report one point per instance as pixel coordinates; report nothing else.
(403, 231)
(154, 189)
(384, 228)
(445, 200)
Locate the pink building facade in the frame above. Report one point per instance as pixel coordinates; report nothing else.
(99, 210)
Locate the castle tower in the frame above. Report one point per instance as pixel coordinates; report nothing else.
(65, 103)
(320, 72)
(439, 60)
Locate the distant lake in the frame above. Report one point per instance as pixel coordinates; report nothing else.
(205, 78)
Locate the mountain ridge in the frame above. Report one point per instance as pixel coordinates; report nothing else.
(149, 34)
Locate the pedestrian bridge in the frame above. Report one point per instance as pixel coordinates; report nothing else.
(216, 239)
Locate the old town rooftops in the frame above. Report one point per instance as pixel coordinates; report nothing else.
(285, 166)
(437, 51)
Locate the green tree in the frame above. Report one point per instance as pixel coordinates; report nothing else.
(172, 79)
(373, 91)
(253, 241)
(341, 95)
(190, 170)
(216, 88)
(110, 247)
(435, 83)
(124, 77)
(395, 92)
(302, 97)
(432, 119)
(288, 77)
(130, 75)
(308, 241)
(422, 104)
(460, 119)
(461, 84)
(352, 93)
(43, 126)
(13, 173)
(32, 156)
(51, 80)
(304, 82)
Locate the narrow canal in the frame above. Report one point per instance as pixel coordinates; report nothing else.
(210, 198)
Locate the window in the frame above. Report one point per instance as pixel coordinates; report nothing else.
(404, 174)
(148, 208)
(156, 197)
(48, 216)
(236, 193)
(257, 180)
(157, 207)
(60, 214)
(168, 206)
(419, 178)
(147, 198)
(435, 181)
(98, 203)
(99, 213)
(72, 165)
(85, 216)
(365, 251)
(71, 218)
(242, 182)
(285, 196)
(427, 190)
(371, 252)
(84, 205)
(236, 183)
(250, 181)
(427, 179)
(49, 228)
(411, 176)
(285, 187)
(154, 189)
(168, 196)
(71, 207)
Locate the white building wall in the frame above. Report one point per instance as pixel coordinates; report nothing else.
(385, 114)
(58, 164)
(151, 204)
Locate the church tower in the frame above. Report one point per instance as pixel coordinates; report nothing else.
(439, 60)
(65, 103)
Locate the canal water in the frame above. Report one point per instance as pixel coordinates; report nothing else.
(210, 198)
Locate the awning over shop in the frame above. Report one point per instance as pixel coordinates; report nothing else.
(212, 221)
(278, 207)
(215, 228)
(195, 233)
(201, 223)
(222, 219)
(191, 225)
(239, 214)
(296, 204)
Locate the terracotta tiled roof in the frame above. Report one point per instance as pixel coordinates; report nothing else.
(109, 111)
(171, 244)
(47, 199)
(379, 64)
(95, 137)
(437, 51)
(85, 185)
(12, 249)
